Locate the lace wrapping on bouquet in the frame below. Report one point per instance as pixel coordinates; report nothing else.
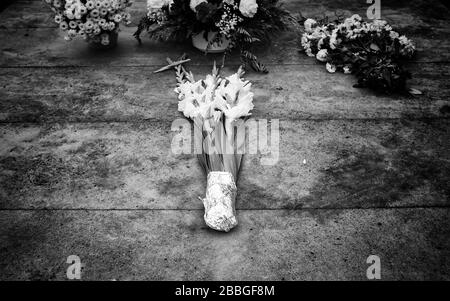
(220, 212)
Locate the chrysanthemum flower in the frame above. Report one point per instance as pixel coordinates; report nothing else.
(330, 68)
(90, 5)
(63, 25)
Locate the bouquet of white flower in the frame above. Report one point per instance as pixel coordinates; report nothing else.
(217, 106)
(96, 21)
(373, 51)
(216, 25)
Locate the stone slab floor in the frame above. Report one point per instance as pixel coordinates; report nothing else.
(86, 166)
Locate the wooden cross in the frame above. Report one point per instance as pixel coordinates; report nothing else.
(173, 64)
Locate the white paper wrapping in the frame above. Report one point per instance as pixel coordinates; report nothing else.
(220, 212)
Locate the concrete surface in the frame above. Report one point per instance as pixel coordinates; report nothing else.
(267, 245)
(86, 166)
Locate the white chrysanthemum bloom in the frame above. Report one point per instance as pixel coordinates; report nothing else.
(320, 43)
(316, 34)
(309, 24)
(194, 3)
(330, 68)
(58, 19)
(94, 13)
(73, 24)
(90, 4)
(304, 40)
(234, 98)
(408, 47)
(248, 8)
(117, 18)
(393, 35)
(333, 40)
(71, 33)
(347, 70)
(70, 15)
(356, 18)
(63, 25)
(350, 34)
(322, 55)
(403, 40)
(82, 10)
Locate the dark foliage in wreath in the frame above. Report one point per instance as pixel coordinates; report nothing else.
(179, 23)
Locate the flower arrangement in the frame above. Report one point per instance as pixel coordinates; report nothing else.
(217, 107)
(234, 23)
(373, 51)
(96, 21)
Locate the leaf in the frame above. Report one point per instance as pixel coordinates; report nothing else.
(374, 47)
(206, 12)
(414, 91)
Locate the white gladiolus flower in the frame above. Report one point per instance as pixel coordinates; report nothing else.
(322, 55)
(248, 8)
(209, 102)
(233, 97)
(196, 98)
(194, 3)
(309, 23)
(330, 68)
